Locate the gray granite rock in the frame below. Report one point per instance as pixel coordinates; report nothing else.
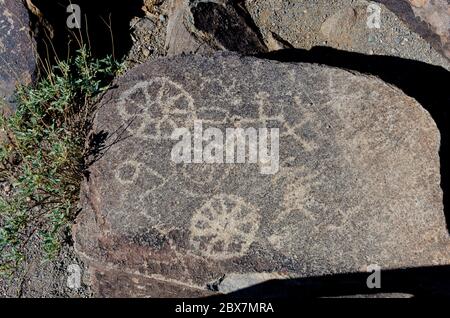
(381, 27)
(179, 38)
(358, 180)
(429, 18)
(17, 48)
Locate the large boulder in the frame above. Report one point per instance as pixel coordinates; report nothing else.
(17, 48)
(357, 182)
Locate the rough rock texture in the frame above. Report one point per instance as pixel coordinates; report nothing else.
(17, 48)
(178, 37)
(358, 182)
(430, 18)
(342, 24)
(38, 278)
(226, 25)
(194, 26)
(148, 33)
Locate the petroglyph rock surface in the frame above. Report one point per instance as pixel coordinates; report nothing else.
(358, 180)
(17, 48)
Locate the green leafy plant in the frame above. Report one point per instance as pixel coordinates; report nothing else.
(43, 155)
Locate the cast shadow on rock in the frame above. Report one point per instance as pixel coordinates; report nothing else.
(421, 282)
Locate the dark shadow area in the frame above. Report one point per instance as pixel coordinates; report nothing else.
(105, 27)
(223, 23)
(428, 84)
(420, 282)
(96, 144)
(99, 143)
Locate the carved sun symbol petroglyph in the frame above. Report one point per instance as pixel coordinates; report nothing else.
(156, 108)
(224, 227)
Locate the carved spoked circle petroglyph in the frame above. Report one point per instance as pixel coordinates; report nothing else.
(224, 227)
(156, 107)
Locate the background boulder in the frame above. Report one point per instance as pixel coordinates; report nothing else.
(18, 61)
